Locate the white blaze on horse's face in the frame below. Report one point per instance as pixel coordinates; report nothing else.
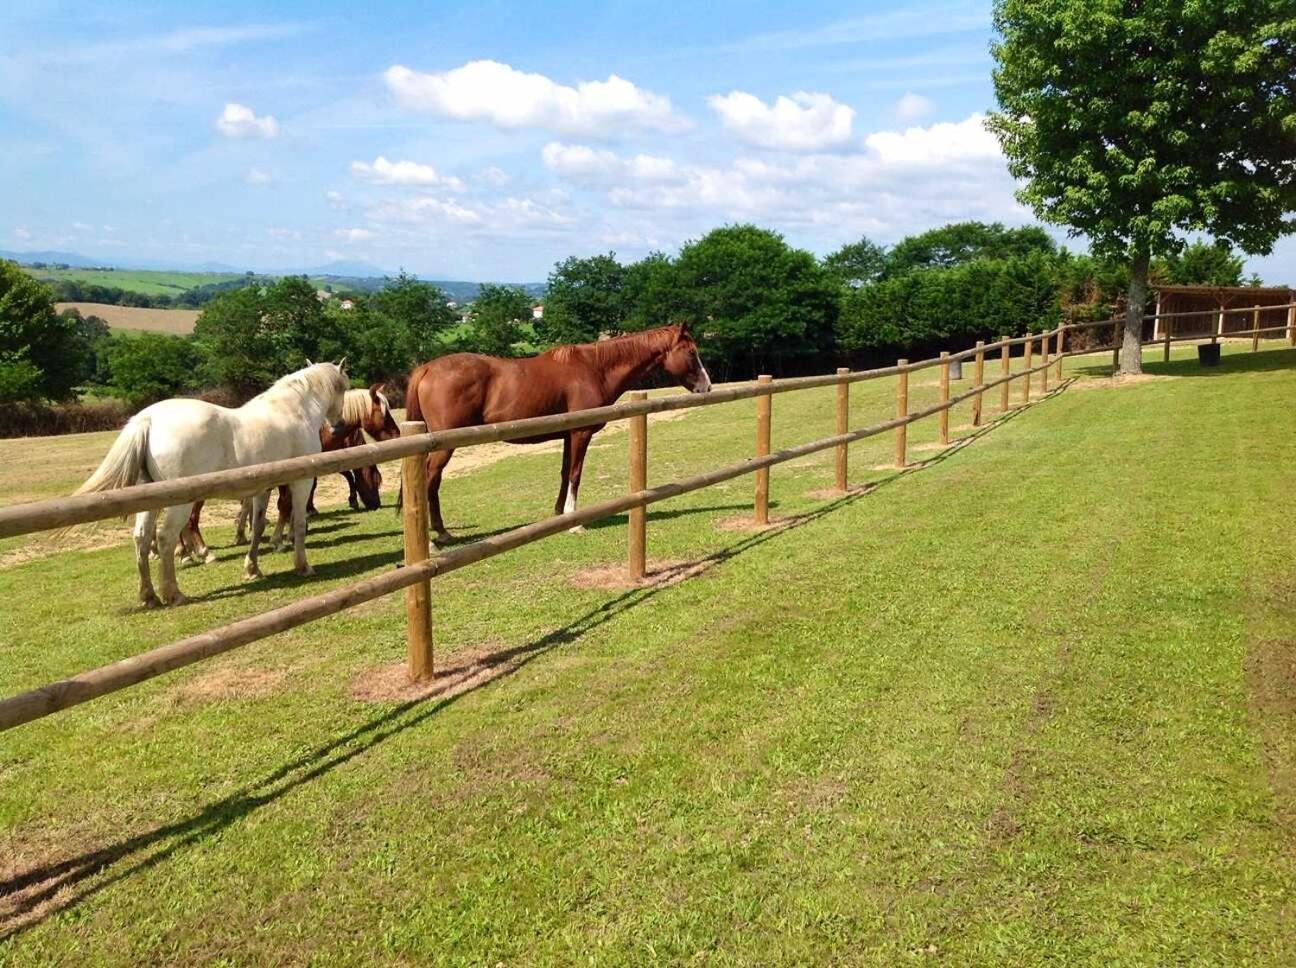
(702, 379)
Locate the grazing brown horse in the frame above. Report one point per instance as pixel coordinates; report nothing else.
(466, 389)
(363, 411)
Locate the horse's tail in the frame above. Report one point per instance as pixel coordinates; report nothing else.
(413, 411)
(126, 459)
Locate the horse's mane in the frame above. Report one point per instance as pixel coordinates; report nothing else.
(355, 404)
(318, 380)
(618, 349)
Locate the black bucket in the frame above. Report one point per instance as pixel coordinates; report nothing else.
(1208, 354)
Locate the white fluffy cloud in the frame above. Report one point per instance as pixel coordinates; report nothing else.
(802, 122)
(384, 172)
(240, 121)
(353, 235)
(486, 90)
(944, 142)
(911, 107)
(901, 181)
(258, 177)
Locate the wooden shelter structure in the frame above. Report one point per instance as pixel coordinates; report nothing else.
(1232, 308)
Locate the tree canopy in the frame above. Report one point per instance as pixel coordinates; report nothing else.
(42, 356)
(1133, 124)
(584, 300)
(962, 242)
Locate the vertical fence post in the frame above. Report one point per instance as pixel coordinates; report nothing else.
(1116, 346)
(1165, 329)
(978, 400)
(638, 482)
(902, 410)
(1255, 328)
(1044, 352)
(944, 397)
(1219, 326)
(762, 450)
(843, 423)
(1060, 331)
(1291, 325)
(414, 517)
(1030, 352)
(1005, 367)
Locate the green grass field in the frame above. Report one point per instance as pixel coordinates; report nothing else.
(152, 283)
(1031, 702)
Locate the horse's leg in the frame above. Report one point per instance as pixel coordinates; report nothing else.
(145, 529)
(311, 510)
(241, 521)
(352, 498)
(580, 440)
(283, 506)
(193, 536)
(436, 462)
(173, 522)
(566, 469)
(300, 498)
(259, 504)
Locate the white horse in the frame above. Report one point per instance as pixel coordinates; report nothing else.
(180, 438)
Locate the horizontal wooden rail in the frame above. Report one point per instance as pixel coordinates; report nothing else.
(73, 691)
(241, 482)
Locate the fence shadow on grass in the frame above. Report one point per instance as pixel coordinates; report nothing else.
(29, 897)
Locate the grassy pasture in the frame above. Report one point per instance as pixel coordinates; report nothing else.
(150, 282)
(1029, 703)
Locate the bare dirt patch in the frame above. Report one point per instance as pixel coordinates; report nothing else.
(1129, 380)
(177, 321)
(744, 524)
(832, 494)
(460, 673)
(233, 684)
(661, 573)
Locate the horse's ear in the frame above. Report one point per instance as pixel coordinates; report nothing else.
(682, 330)
(308, 362)
(376, 389)
(342, 363)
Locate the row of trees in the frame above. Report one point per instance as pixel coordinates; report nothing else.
(76, 290)
(757, 303)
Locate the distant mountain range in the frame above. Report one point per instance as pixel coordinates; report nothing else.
(360, 272)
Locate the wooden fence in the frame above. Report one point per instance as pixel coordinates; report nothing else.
(415, 443)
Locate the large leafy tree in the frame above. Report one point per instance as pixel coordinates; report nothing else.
(650, 293)
(41, 352)
(498, 313)
(962, 242)
(857, 263)
(584, 299)
(418, 309)
(1133, 122)
(1200, 264)
(755, 300)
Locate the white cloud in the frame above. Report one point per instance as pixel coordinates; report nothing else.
(493, 175)
(21, 233)
(384, 172)
(257, 176)
(353, 235)
(335, 199)
(802, 122)
(240, 121)
(282, 233)
(911, 107)
(82, 227)
(944, 142)
(486, 90)
(901, 181)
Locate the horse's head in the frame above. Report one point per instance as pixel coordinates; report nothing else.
(683, 363)
(337, 383)
(368, 481)
(378, 421)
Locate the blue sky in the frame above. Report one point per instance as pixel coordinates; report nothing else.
(487, 140)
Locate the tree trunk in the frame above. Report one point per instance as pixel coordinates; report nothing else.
(1131, 359)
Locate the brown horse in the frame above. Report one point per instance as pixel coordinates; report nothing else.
(466, 389)
(363, 411)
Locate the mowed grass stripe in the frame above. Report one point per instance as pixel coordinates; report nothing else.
(973, 713)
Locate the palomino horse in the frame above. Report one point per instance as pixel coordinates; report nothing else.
(363, 411)
(179, 438)
(466, 389)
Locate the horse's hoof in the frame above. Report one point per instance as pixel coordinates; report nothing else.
(579, 529)
(305, 571)
(176, 599)
(150, 601)
(443, 538)
(209, 558)
(251, 574)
